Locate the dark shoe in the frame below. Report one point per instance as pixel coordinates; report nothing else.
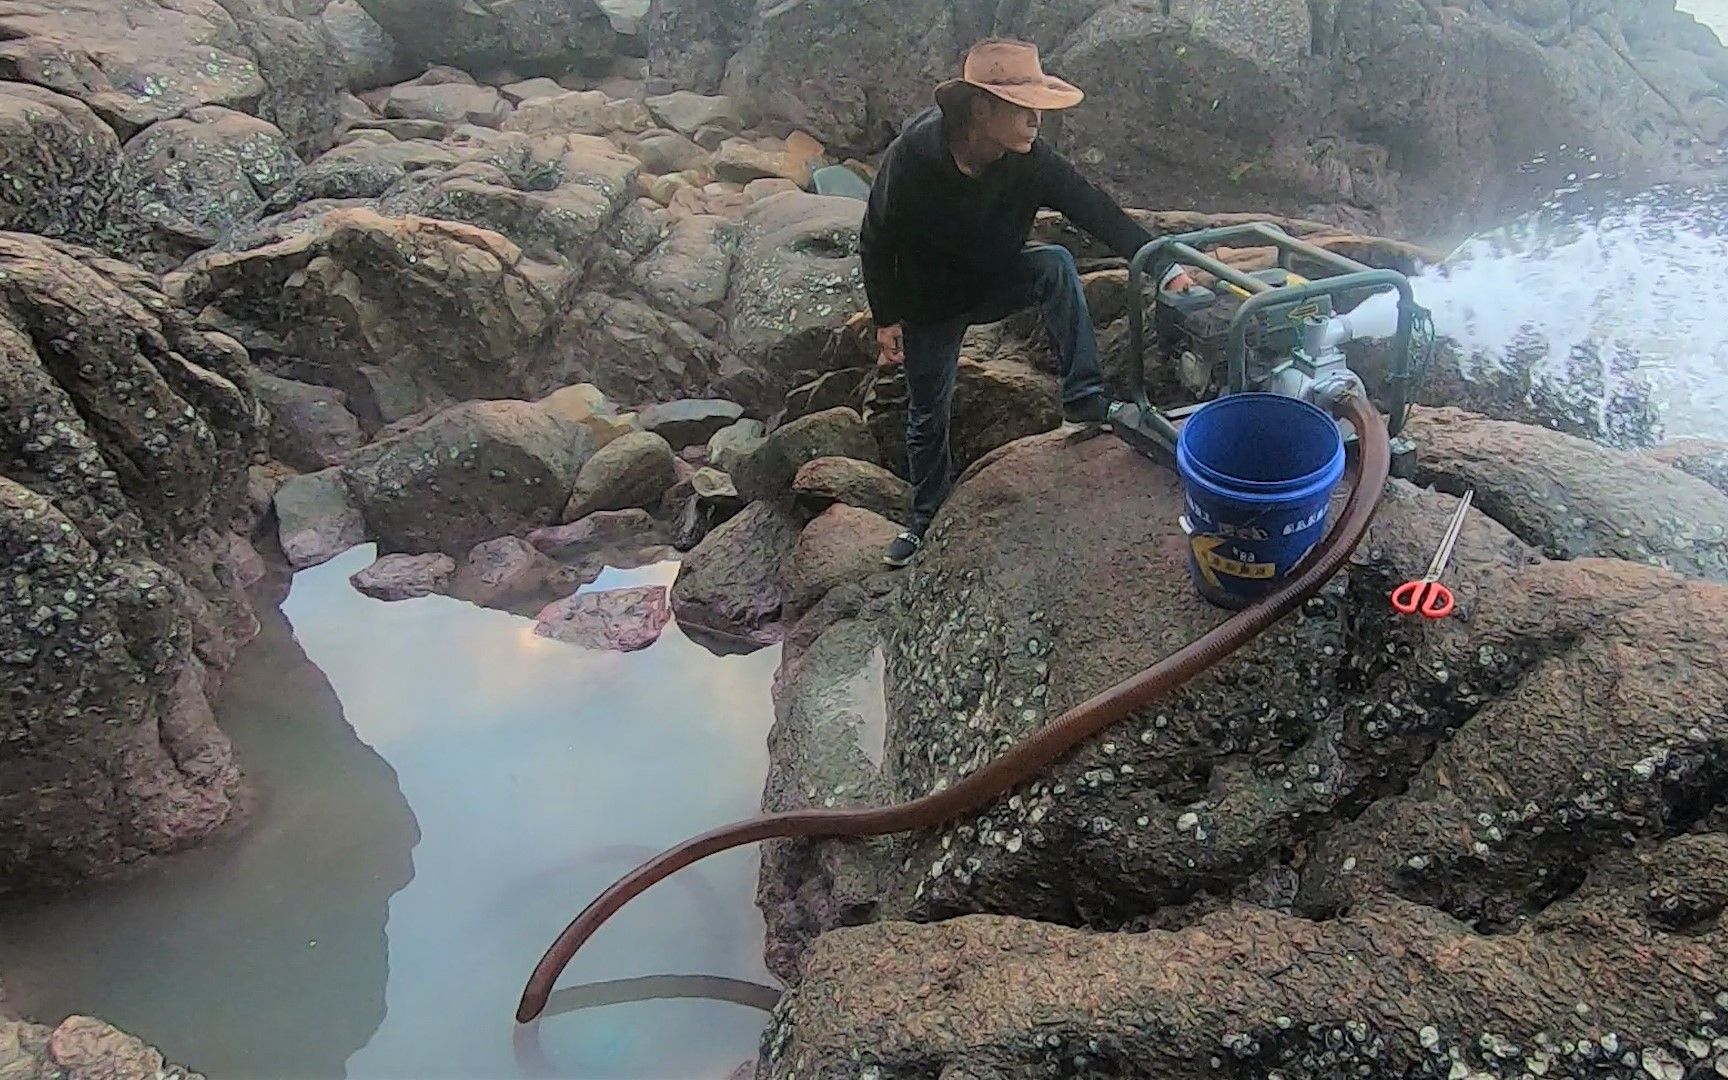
(902, 549)
(1090, 410)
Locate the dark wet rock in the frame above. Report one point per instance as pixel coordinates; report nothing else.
(712, 499)
(995, 403)
(733, 443)
(81, 1047)
(1392, 989)
(405, 577)
(125, 435)
(730, 582)
(689, 269)
(827, 740)
(842, 544)
(1573, 498)
(1587, 746)
(400, 313)
(631, 471)
(195, 178)
(369, 56)
(467, 474)
(768, 471)
(831, 390)
(316, 518)
(624, 620)
(689, 41)
(690, 422)
(98, 51)
(499, 571)
(63, 171)
(796, 274)
(1707, 459)
(310, 426)
(447, 103)
(631, 350)
(827, 480)
(538, 36)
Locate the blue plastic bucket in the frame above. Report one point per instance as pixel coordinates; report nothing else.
(1258, 471)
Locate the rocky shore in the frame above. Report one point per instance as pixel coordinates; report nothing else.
(519, 292)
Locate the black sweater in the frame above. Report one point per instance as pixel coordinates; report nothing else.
(935, 241)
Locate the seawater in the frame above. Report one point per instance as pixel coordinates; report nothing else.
(441, 791)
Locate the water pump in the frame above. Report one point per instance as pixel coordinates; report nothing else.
(1271, 331)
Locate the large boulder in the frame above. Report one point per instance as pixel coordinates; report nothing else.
(730, 583)
(824, 481)
(1707, 459)
(196, 178)
(843, 544)
(125, 433)
(63, 171)
(768, 470)
(795, 276)
(369, 56)
(530, 36)
(447, 103)
(138, 62)
(1572, 498)
(996, 401)
(1535, 775)
(399, 313)
(466, 475)
(310, 426)
(1393, 989)
(632, 471)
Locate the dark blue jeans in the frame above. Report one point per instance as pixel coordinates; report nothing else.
(1044, 275)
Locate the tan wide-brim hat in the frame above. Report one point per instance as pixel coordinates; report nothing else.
(1011, 71)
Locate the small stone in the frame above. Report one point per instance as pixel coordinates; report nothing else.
(1429, 1037)
(1188, 821)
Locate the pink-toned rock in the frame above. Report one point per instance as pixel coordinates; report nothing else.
(593, 531)
(503, 569)
(843, 544)
(405, 577)
(624, 620)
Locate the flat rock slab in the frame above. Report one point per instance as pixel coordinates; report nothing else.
(691, 421)
(730, 582)
(622, 620)
(405, 577)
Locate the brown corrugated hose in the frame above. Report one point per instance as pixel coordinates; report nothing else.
(1033, 756)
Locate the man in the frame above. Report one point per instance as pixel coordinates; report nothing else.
(944, 245)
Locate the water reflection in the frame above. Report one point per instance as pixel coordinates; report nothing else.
(263, 955)
(538, 772)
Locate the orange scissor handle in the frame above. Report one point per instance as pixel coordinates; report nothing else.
(1430, 599)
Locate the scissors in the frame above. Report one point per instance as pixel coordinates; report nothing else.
(1426, 596)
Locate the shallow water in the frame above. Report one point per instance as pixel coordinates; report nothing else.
(443, 790)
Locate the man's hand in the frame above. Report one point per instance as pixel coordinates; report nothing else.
(892, 341)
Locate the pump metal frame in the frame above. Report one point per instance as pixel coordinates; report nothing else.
(1152, 430)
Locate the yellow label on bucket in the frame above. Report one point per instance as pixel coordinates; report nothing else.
(1212, 564)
